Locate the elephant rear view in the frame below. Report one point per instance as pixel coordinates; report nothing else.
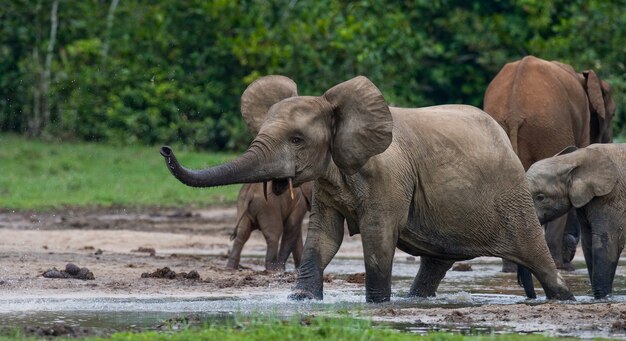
(545, 106)
(278, 217)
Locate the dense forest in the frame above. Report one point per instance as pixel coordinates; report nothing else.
(172, 71)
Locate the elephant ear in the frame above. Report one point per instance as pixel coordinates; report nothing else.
(362, 123)
(594, 175)
(261, 95)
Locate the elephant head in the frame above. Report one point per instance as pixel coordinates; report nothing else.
(297, 137)
(571, 178)
(601, 106)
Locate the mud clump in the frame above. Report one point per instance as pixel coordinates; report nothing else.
(357, 278)
(247, 278)
(167, 273)
(148, 250)
(457, 317)
(620, 324)
(72, 271)
(462, 267)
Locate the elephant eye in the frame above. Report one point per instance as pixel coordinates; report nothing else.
(541, 197)
(296, 140)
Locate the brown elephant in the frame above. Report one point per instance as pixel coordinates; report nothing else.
(440, 182)
(275, 216)
(545, 106)
(591, 180)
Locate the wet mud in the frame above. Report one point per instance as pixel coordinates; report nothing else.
(120, 245)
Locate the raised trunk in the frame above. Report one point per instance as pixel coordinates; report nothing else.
(248, 168)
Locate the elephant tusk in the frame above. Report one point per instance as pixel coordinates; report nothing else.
(291, 189)
(265, 190)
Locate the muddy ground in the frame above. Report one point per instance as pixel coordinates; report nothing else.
(118, 245)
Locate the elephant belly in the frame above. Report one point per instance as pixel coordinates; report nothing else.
(415, 243)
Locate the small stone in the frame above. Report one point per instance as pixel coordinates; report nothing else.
(462, 267)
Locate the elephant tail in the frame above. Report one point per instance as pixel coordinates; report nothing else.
(241, 215)
(525, 279)
(513, 128)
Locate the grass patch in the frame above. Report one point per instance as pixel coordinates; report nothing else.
(43, 175)
(307, 328)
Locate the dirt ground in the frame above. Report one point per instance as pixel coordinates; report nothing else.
(119, 245)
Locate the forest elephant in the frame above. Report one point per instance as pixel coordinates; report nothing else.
(278, 217)
(440, 182)
(545, 106)
(591, 180)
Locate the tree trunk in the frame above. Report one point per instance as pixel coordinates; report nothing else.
(34, 121)
(45, 84)
(107, 38)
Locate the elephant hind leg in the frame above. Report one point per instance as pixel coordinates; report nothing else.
(541, 264)
(430, 274)
(525, 279)
(243, 234)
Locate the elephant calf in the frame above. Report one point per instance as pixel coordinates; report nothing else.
(274, 215)
(593, 181)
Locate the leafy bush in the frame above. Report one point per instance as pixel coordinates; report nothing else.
(173, 71)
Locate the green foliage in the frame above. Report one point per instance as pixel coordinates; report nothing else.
(39, 175)
(172, 71)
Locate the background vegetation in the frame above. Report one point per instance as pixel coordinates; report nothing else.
(41, 176)
(151, 72)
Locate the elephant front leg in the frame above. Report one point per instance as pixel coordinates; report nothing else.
(431, 272)
(291, 241)
(554, 238)
(379, 245)
(606, 247)
(272, 227)
(324, 237)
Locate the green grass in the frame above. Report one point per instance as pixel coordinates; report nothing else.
(316, 328)
(44, 175)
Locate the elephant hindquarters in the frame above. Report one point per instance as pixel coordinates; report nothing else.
(525, 241)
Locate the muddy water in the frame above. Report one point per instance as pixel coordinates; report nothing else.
(484, 286)
(482, 300)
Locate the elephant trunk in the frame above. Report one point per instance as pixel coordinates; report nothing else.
(247, 168)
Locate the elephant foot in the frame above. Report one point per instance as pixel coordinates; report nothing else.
(377, 298)
(508, 266)
(275, 267)
(566, 267)
(599, 294)
(301, 295)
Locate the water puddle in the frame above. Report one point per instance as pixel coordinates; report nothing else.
(484, 286)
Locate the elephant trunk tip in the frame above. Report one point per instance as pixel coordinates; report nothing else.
(166, 151)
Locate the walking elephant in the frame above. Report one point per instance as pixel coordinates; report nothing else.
(591, 180)
(440, 182)
(545, 106)
(275, 216)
